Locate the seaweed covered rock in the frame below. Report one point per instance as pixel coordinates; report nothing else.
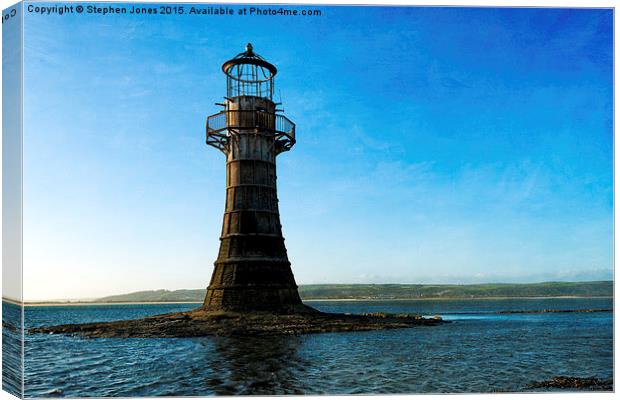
(570, 382)
(201, 322)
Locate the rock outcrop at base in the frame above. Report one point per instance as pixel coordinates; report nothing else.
(199, 322)
(570, 382)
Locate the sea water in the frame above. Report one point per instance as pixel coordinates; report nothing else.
(480, 351)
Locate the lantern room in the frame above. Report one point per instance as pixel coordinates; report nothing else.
(248, 74)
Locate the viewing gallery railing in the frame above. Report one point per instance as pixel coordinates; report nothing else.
(222, 124)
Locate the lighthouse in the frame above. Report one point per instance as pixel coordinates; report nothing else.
(252, 270)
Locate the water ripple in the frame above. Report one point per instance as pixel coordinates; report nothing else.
(485, 353)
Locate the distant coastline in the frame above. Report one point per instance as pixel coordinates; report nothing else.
(93, 303)
(369, 292)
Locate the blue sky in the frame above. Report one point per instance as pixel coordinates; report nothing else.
(447, 145)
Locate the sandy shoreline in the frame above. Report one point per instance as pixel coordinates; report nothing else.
(94, 303)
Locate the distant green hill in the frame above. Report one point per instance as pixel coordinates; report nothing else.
(397, 291)
(544, 289)
(188, 295)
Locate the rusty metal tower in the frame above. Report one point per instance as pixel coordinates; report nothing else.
(252, 270)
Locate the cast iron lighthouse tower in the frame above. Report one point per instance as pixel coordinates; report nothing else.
(252, 270)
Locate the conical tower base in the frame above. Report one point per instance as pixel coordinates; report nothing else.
(252, 286)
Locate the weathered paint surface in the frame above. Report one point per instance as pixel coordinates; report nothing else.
(252, 270)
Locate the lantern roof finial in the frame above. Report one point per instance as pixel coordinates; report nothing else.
(249, 57)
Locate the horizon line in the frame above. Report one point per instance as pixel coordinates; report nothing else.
(90, 299)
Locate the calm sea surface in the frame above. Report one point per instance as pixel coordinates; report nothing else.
(478, 352)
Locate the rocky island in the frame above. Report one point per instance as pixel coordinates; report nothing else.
(200, 322)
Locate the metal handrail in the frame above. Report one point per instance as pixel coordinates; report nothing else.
(220, 125)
